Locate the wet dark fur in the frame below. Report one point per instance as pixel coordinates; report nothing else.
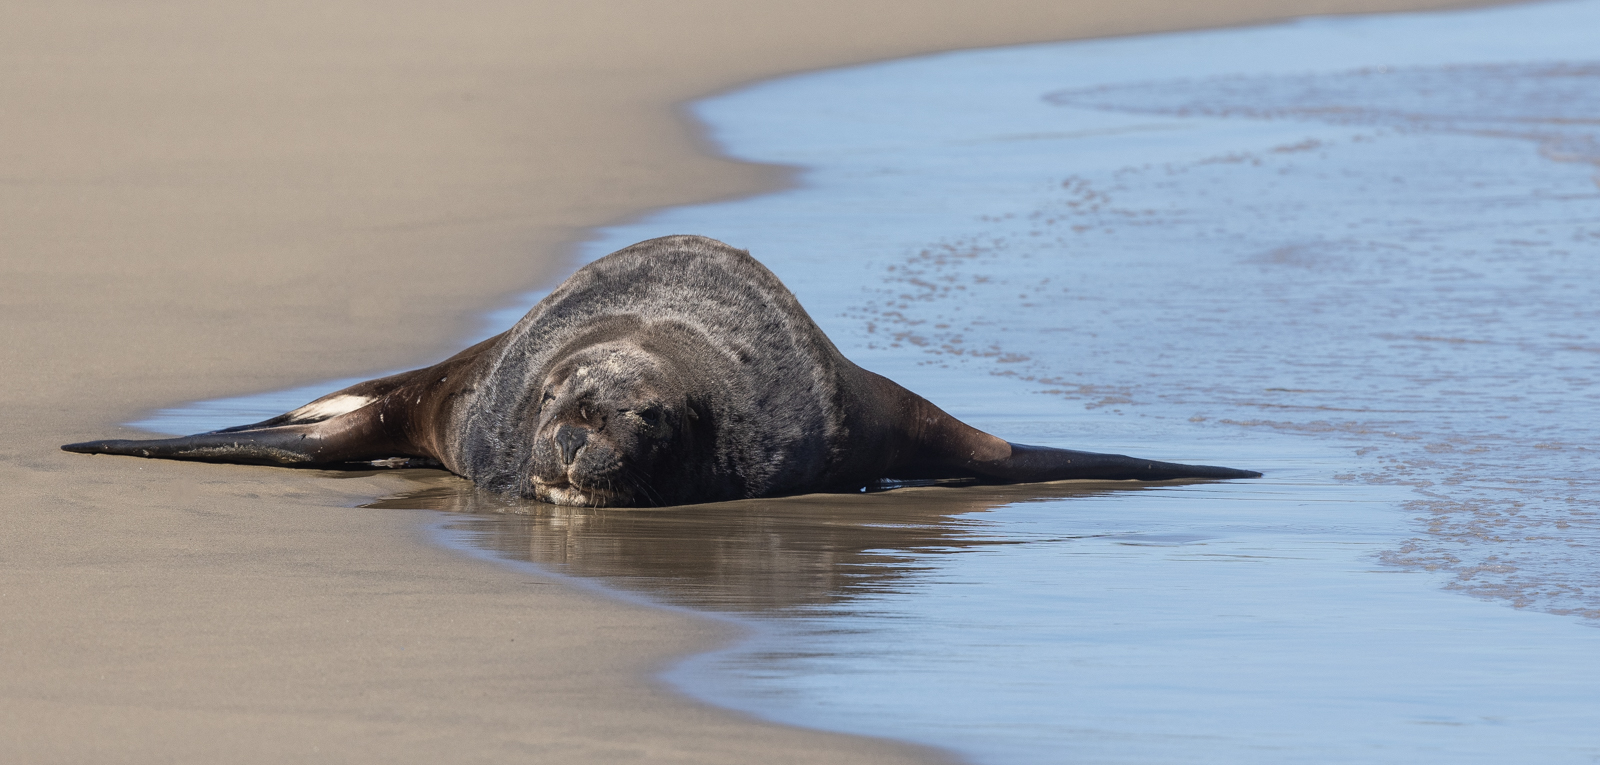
(677, 370)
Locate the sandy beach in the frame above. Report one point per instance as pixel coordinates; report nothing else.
(205, 200)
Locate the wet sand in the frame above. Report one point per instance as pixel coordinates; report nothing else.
(203, 200)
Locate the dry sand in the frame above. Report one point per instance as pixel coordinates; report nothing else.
(202, 199)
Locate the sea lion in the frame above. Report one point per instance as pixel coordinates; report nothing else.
(676, 371)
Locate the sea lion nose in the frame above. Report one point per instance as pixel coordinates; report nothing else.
(570, 439)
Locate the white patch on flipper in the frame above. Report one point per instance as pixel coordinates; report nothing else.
(326, 408)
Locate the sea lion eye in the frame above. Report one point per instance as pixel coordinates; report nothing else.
(650, 415)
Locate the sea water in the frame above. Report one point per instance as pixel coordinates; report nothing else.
(1361, 255)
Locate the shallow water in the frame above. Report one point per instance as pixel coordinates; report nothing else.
(1359, 254)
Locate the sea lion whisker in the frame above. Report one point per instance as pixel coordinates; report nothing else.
(641, 485)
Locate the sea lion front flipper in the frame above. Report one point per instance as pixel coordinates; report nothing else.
(344, 426)
(379, 419)
(338, 402)
(938, 445)
(1028, 464)
(350, 437)
(976, 454)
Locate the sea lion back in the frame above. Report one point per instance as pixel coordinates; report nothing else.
(769, 377)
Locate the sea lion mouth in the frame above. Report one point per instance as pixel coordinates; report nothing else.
(563, 491)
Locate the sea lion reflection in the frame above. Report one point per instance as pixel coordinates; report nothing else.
(763, 555)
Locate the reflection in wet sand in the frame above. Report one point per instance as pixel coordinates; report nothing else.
(767, 556)
(1234, 622)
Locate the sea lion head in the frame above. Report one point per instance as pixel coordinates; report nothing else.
(610, 420)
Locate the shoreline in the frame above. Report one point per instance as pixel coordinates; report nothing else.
(200, 210)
